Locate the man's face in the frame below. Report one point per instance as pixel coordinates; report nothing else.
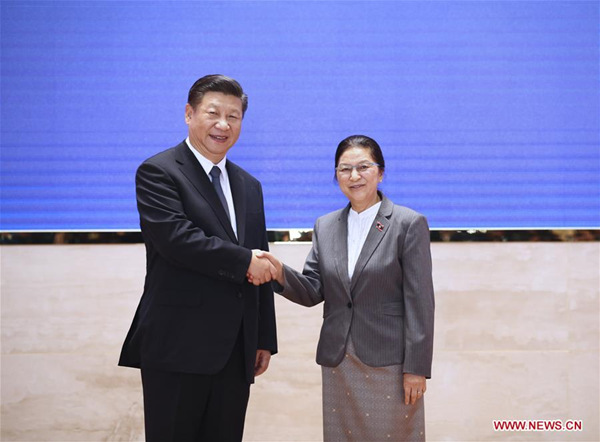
(215, 125)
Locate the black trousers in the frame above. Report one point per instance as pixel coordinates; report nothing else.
(183, 407)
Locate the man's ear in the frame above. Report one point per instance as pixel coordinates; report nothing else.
(188, 113)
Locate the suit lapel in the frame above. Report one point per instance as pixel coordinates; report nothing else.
(341, 248)
(191, 168)
(376, 233)
(238, 192)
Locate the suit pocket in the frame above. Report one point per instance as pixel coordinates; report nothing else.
(393, 308)
(181, 297)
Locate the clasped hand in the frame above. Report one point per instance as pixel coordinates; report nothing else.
(264, 267)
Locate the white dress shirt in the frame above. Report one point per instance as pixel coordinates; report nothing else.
(207, 165)
(358, 229)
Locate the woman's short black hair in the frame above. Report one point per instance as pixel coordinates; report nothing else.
(363, 142)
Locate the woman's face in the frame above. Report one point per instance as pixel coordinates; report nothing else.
(359, 188)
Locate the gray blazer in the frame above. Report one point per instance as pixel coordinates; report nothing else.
(388, 306)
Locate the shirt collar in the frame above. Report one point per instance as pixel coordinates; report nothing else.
(207, 164)
(365, 213)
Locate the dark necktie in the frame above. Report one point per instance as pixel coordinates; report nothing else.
(215, 174)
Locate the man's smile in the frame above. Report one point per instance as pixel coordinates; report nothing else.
(219, 138)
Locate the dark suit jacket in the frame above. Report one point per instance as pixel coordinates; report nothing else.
(196, 296)
(388, 305)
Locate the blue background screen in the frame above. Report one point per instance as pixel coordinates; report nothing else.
(487, 112)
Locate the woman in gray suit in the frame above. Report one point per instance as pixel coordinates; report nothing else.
(370, 263)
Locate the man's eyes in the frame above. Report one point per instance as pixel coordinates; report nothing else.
(213, 113)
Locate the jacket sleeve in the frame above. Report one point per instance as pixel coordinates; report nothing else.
(304, 288)
(166, 225)
(267, 330)
(418, 298)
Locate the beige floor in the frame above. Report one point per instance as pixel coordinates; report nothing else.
(517, 337)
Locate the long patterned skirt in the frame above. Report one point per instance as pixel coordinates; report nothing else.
(366, 404)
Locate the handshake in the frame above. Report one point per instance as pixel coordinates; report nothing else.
(264, 267)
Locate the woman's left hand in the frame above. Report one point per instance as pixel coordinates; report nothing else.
(414, 387)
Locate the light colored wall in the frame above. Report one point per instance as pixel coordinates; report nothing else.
(517, 337)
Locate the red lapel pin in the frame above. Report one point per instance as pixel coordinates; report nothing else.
(379, 226)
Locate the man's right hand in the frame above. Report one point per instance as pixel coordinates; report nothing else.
(260, 270)
(278, 274)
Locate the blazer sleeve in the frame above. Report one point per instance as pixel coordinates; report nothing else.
(304, 288)
(177, 239)
(418, 298)
(267, 330)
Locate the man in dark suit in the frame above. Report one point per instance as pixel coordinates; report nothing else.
(201, 332)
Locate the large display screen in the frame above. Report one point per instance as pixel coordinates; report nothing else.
(487, 111)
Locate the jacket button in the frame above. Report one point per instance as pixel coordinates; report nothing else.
(349, 305)
(239, 295)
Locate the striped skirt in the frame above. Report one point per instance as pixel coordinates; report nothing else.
(366, 404)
